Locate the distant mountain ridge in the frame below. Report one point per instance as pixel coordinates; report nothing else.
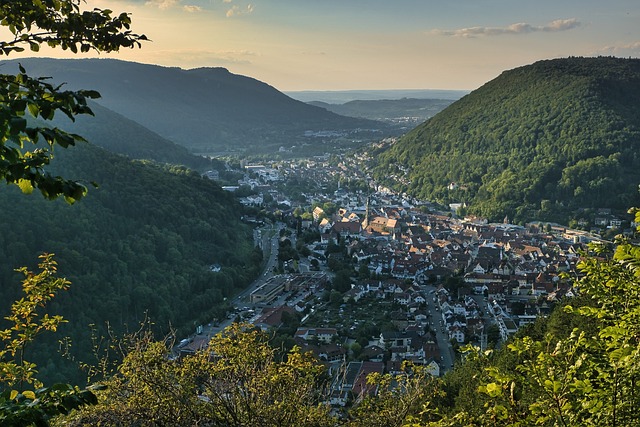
(538, 141)
(204, 109)
(403, 113)
(344, 96)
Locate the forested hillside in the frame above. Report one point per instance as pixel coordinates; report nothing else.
(206, 110)
(140, 244)
(118, 134)
(541, 141)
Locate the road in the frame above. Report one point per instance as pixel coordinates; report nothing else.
(442, 338)
(486, 317)
(270, 239)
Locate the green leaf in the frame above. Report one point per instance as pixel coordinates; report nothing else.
(61, 387)
(34, 109)
(25, 186)
(619, 354)
(88, 397)
(93, 94)
(494, 390)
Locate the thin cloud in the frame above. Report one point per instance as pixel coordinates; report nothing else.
(313, 53)
(237, 10)
(561, 25)
(517, 28)
(628, 49)
(231, 8)
(162, 4)
(200, 57)
(170, 4)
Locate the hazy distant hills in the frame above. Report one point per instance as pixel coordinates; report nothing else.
(205, 110)
(405, 112)
(344, 96)
(540, 141)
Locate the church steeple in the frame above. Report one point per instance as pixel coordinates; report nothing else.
(365, 223)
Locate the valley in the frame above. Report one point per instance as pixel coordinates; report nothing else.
(369, 236)
(325, 209)
(351, 262)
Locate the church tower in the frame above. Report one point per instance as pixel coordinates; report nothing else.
(365, 223)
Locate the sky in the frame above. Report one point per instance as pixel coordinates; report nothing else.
(374, 44)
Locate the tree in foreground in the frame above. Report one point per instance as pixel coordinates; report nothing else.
(393, 400)
(26, 148)
(23, 399)
(235, 381)
(586, 378)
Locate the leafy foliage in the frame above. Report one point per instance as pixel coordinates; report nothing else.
(395, 399)
(59, 23)
(62, 24)
(538, 141)
(23, 94)
(33, 407)
(237, 381)
(26, 408)
(27, 323)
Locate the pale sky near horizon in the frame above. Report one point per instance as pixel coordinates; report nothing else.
(374, 44)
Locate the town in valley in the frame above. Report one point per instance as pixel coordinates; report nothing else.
(367, 279)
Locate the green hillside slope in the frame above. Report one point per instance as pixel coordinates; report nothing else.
(120, 135)
(538, 141)
(206, 109)
(139, 245)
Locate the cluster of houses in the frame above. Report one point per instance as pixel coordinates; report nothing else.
(502, 274)
(494, 258)
(513, 270)
(350, 379)
(516, 268)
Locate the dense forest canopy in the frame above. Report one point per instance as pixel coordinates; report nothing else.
(140, 245)
(541, 141)
(121, 135)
